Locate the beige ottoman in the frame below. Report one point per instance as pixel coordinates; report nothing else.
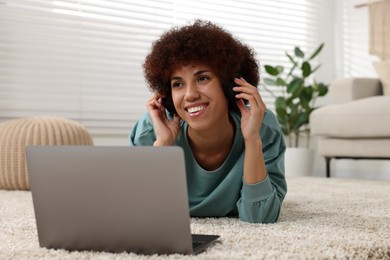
(16, 134)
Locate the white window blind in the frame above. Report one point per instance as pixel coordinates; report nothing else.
(82, 59)
(355, 58)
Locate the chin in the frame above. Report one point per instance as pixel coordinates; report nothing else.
(200, 126)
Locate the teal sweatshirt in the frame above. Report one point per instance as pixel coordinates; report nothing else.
(223, 192)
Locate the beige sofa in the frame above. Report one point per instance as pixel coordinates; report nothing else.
(356, 123)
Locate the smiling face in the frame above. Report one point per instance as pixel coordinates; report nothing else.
(198, 97)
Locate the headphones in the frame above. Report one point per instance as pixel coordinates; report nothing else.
(168, 104)
(228, 91)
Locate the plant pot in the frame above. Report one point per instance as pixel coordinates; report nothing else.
(299, 161)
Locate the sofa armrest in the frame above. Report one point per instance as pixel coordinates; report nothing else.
(345, 90)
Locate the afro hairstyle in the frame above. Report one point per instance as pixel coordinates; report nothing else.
(200, 42)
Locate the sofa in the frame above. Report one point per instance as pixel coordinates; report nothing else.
(356, 122)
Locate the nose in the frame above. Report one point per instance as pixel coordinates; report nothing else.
(192, 92)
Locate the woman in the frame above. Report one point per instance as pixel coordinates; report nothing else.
(233, 145)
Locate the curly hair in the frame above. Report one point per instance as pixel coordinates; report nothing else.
(201, 42)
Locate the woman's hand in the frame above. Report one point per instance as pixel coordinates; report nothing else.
(166, 130)
(251, 119)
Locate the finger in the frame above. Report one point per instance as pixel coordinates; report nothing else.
(176, 121)
(153, 104)
(246, 86)
(256, 106)
(160, 105)
(242, 81)
(252, 91)
(176, 118)
(155, 97)
(241, 106)
(250, 98)
(247, 95)
(252, 94)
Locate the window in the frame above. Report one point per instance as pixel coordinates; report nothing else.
(354, 50)
(82, 59)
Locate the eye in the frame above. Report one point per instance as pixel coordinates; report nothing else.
(203, 78)
(176, 84)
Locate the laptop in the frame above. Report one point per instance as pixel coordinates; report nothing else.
(115, 199)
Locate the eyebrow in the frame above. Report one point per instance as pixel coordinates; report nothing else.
(195, 74)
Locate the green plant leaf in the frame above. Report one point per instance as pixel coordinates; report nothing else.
(270, 82)
(294, 107)
(302, 120)
(280, 104)
(271, 70)
(281, 112)
(305, 98)
(308, 93)
(318, 50)
(306, 69)
(294, 121)
(305, 104)
(279, 68)
(322, 89)
(281, 82)
(295, 86)
(298, 52)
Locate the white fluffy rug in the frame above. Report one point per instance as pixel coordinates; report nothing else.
(321, 219)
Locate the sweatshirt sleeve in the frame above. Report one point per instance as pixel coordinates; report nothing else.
(142, 133)
(261, 202)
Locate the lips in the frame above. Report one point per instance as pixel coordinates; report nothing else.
(196, 110)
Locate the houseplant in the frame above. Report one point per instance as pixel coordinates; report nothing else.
(299, 91)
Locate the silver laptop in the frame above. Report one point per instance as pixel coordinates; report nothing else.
(114, 199)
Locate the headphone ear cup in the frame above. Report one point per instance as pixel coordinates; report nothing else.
(168, 104)
(229, 93)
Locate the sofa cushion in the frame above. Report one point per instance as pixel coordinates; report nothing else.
(368, 148)
(383, 70)
(363, 118)
(348, 89)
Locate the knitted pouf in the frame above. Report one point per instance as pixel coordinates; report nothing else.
(16, 134)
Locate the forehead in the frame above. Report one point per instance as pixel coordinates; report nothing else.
(191, 69)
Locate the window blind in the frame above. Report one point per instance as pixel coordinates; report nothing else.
(82, 59)
(355, 58)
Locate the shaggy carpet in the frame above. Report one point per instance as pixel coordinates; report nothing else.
(321, 219)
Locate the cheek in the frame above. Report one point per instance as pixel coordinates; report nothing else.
(177, 98)
(220, 94)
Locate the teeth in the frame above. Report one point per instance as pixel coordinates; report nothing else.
(195, 109)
